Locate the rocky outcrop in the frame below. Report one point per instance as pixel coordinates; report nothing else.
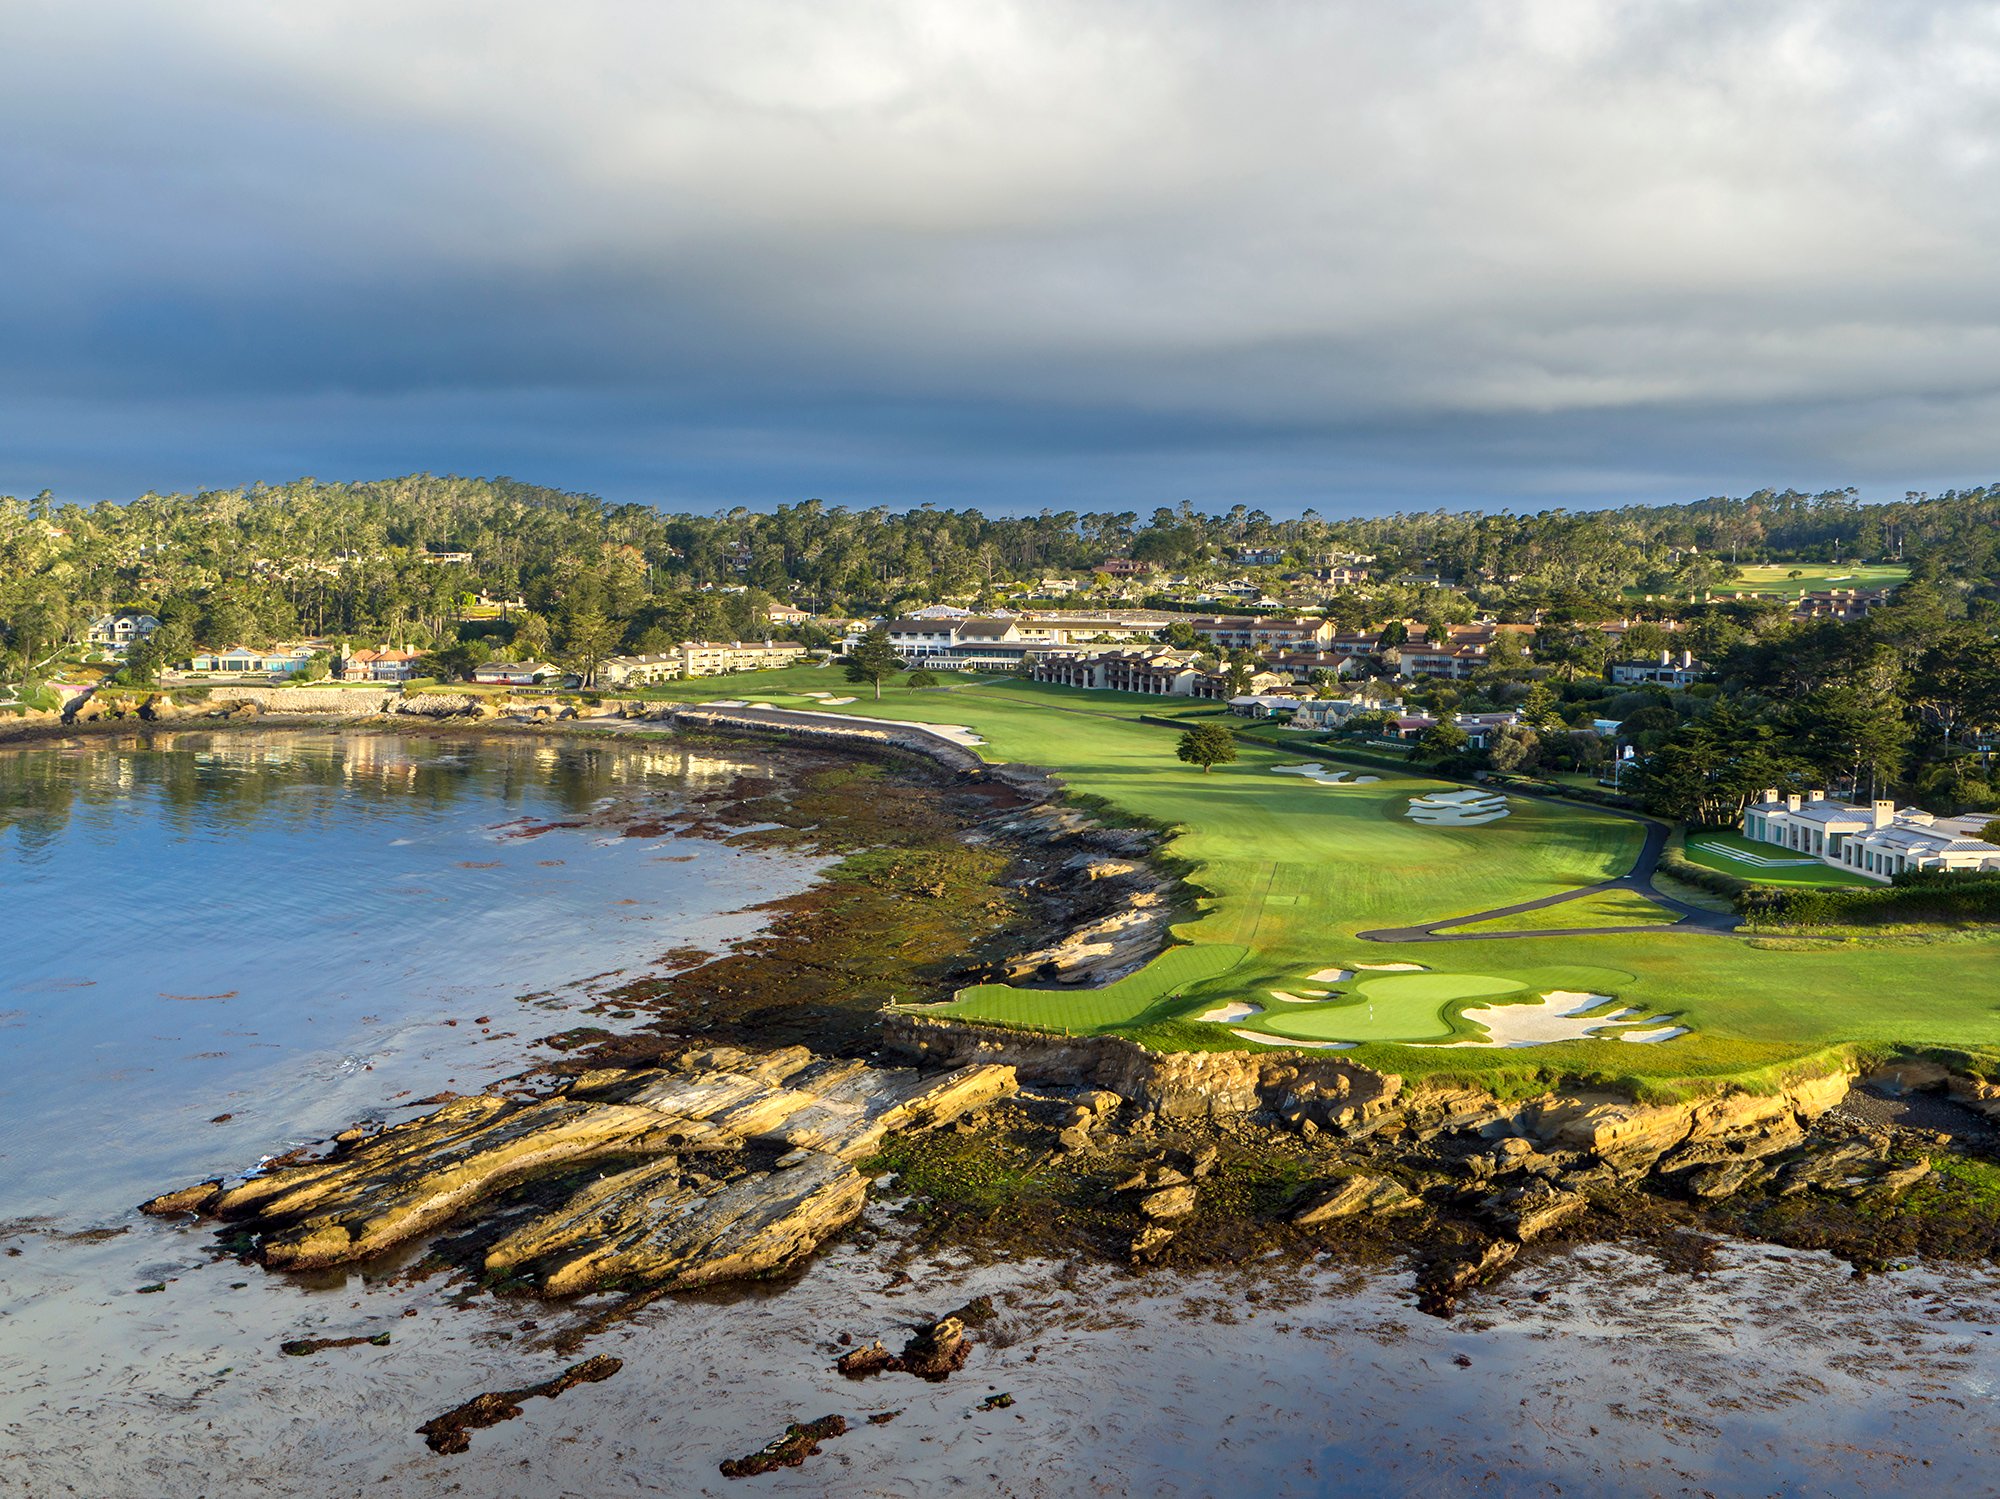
(1359, 1195)
(1201, 1084)
(655, 1225)
(730, 1164)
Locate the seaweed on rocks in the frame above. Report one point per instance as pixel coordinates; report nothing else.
(452, 1431)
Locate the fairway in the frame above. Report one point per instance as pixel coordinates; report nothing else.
(1619, 908)
(1813, 577)
(1292, 870)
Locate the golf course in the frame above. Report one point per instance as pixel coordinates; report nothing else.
(1294, 870)
(1792, 579)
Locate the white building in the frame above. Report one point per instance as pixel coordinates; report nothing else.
(1876, 840)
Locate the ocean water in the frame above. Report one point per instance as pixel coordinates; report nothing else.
(299, 930)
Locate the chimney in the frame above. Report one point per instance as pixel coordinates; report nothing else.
(1687, 659)
(1770, 794)
(1817, 794)
(1884, 813)
(1792, 802)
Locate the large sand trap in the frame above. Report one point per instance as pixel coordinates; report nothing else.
(1457, 809)
(1236, 1009)
(725, 702)
(1560, 1015)
(1310, 997)
(1330, 976)
(1325, 777)
(1392, 968)
(1287, 1041)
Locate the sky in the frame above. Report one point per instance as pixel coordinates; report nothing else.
(1356, 257)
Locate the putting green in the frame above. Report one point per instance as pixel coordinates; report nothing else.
(1395, 1007)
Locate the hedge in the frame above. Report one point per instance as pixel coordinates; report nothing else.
(1919, 897)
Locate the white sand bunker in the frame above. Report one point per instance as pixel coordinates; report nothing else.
(1235, 1010)
(1562, 1015)
(1326, 777)
(835, 702)
(1310, 997)
(1665, 1033)
(1392, 968)
(1457, 809)
(815, 694)
(725, 702)
(1288, 1042)
(1330, 976)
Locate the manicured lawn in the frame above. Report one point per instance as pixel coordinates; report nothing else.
(1766, 863)
(1293, 870)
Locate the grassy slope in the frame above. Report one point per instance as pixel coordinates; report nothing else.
(1296, 869)
(1615, 908)
(1712, 851)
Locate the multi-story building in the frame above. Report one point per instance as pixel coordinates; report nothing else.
(242, 660)
(698, 658)
(1669, 671)
(1877, 840)
(378, 665)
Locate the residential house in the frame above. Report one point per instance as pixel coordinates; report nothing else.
(243, 660)
(787, 614)
(117, 631)
(381, 664)
(517, 673)
(1124, 567)
(1878, 840)
(1418, 659)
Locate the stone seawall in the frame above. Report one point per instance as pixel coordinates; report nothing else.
(338, 700)
(910, 738)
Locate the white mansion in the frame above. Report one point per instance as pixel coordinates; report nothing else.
(1875, 840)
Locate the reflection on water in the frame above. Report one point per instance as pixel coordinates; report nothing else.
(297, 929)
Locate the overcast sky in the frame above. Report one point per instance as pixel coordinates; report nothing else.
(1358, 256)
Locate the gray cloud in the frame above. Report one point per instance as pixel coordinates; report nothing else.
(1333, 254)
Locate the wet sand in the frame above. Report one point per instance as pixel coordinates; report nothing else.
(1600, 1371)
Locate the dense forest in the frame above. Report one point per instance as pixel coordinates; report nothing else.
(1896, 700)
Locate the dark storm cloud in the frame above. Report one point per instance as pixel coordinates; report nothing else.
(1343, 255)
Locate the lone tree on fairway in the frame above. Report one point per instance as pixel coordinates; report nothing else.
(922, 677)
(873, 660)
(1207, 745)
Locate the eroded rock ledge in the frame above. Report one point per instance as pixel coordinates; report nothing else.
(727, 1165)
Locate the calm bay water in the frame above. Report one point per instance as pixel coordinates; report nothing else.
(303, 929)
(279, 926)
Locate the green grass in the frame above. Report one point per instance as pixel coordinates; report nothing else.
(1295, 870)
(1613, 908)
(1732, 853)
(1154, 992)
(1775, 577)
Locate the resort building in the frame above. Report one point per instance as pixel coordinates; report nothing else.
(1670, 670)
(1876, 840)
(697, 658)
(1158, 673)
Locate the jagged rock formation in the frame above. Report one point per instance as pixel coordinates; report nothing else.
(775, 1136)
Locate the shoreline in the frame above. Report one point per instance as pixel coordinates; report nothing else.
(1487, 1173)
